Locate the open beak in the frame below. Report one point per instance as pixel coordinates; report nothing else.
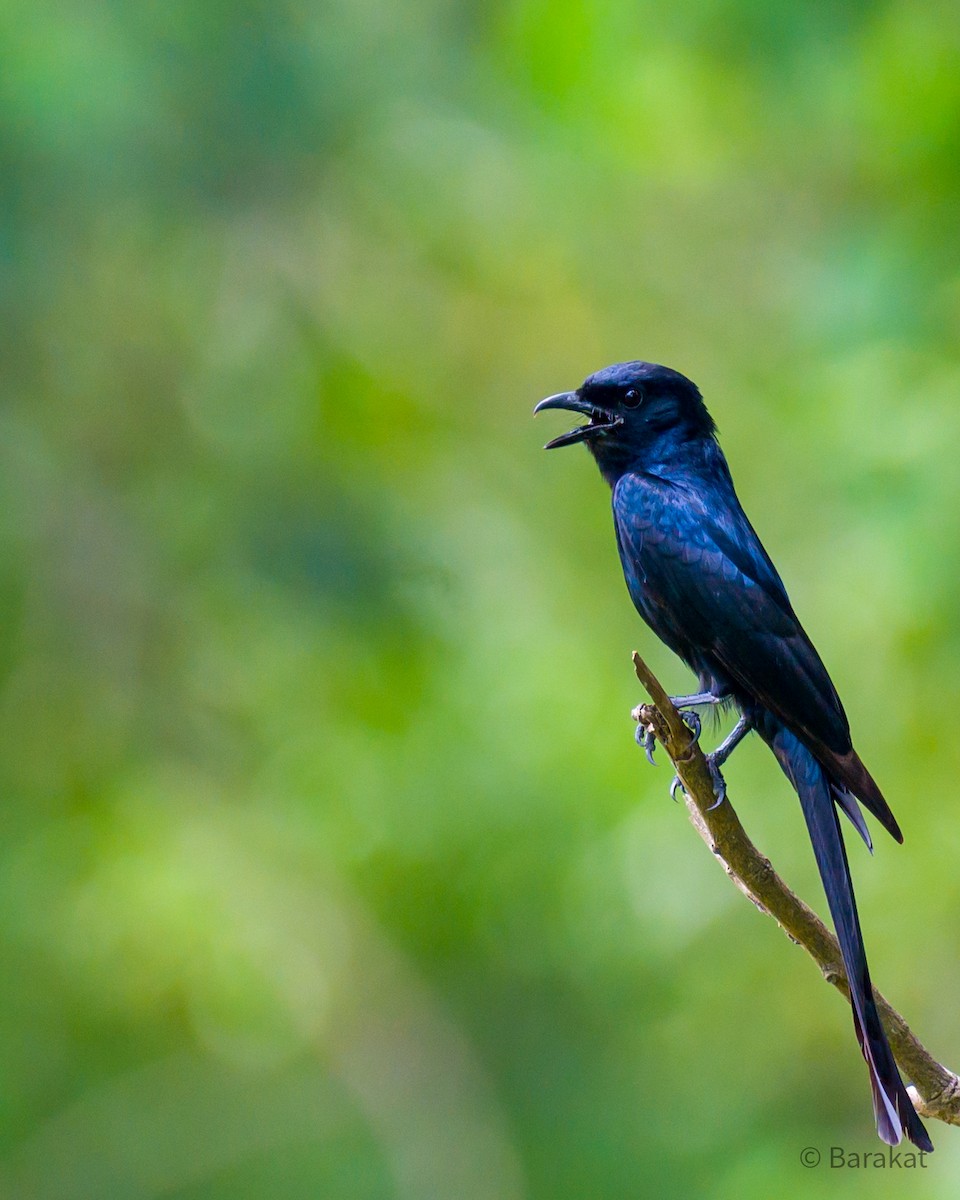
(573, 402)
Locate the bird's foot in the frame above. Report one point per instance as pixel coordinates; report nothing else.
(646, 735)
(647, 739)
(716, 760)
(719, 784)
(691, 718)
(692, 721)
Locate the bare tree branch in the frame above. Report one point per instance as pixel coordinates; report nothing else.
(936, 1090)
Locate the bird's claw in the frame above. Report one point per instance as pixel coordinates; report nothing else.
(719, 783)
(646, 738)
(692, 721)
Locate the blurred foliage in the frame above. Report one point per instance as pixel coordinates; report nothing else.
(329, 867)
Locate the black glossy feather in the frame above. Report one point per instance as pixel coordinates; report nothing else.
(702, 580)
(700, 577)
(893, 1110)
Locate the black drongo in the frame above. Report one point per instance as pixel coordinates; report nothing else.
(702, 581)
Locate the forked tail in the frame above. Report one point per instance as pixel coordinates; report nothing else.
(894, 1112)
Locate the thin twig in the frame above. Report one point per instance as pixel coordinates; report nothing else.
(936, 1090)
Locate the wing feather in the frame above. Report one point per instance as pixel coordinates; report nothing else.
(735, 609)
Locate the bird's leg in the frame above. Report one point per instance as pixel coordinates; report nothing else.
(696, 698)
(730, 742)
(716, 760)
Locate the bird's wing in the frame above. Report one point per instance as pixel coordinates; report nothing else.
(704, 567)
(701, 578)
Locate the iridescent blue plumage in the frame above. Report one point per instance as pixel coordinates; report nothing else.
(701, 579)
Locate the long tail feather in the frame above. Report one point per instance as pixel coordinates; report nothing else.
(895, 1115)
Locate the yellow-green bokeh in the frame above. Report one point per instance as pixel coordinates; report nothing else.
(328, 866)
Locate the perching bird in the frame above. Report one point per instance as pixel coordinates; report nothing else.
(700, 578)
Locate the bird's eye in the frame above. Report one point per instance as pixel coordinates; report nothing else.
(633, 398)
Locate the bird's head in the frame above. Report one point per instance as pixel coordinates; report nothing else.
(637, 410)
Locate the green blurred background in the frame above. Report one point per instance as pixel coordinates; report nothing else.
(329, 866)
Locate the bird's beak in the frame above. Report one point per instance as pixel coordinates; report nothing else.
(573, 402)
